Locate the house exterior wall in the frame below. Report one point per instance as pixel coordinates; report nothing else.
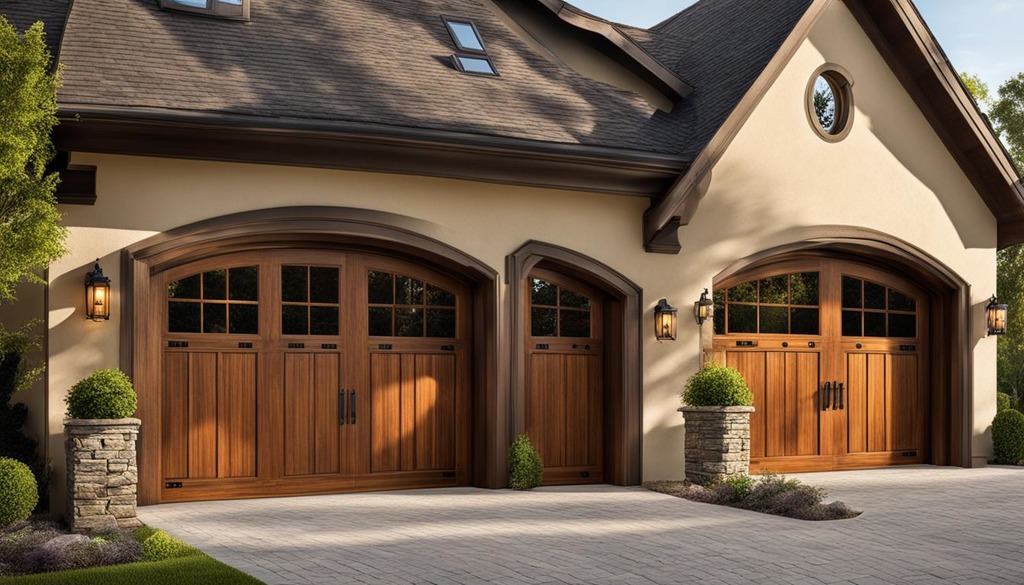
(778, 183)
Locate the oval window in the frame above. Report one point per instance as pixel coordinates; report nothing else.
(830, 102)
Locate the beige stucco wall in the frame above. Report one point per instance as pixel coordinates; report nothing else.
(777, 184)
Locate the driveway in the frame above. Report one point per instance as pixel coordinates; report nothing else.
(922, 524)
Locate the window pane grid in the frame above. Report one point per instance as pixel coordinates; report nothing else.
(780, 304)
(874, 310)
(205, 302)
(311, 300)
(403, 306)
(556, 311)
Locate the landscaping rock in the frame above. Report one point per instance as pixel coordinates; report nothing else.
(61, 542)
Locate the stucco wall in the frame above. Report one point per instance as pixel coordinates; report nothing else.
(777, 184)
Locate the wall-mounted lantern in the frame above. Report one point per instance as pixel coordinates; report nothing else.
(665, 320)
(996, 316)
(702, 308)
(97, 294)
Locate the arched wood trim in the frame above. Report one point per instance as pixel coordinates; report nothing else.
(320, 228)
(623, 442)
(951, 358)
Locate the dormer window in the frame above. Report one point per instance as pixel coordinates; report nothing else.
(231, 9)
(472, 56)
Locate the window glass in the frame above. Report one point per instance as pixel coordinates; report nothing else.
(780, 305)
(558, 311)
(825, 104)
(476, 65)
(874, 310)
(465, 35)
(216, 301)
(403, 306)
(310, 300)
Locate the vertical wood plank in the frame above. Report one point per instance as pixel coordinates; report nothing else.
(409, 418)
(202, 416)
(546, 408)
(857, 402)
(774, 415)
(435, 412)
(792, 402)
(385, 412)
(578, 415)
(326, 383)
(904, 391)
(236, 428)
(877, 419)
(808, 413)
(175, 416)
(298, 414)
(751, 365)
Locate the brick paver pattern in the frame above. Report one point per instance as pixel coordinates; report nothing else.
(920, 525)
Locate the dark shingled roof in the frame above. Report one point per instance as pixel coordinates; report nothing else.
(386, 62)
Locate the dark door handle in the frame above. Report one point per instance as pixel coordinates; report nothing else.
(841, 405)
(341, 407)
(352, 407)
(826, 396)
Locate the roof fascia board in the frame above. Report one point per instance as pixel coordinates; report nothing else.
(364, 147)
(662, 78)
(680, 203)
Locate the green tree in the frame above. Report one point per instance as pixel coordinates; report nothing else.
(31, 236)
(1006, 110)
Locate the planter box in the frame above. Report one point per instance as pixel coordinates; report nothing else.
(103, 473)
(717, 442)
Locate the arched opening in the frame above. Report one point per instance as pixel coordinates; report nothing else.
(450, 359)
(902, 353)
(576, 367)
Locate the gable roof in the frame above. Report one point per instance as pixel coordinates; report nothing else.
(52, 13)
(368, 85)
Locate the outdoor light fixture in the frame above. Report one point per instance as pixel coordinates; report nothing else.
(702, 308)
(97, 294)
(665, 320)
(996, 314)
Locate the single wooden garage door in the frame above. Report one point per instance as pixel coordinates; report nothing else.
(835, 353)
(290, 372)
(564, 394)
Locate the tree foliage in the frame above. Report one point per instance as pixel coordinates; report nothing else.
(1007, 112)
(31, 236)
(976, 87)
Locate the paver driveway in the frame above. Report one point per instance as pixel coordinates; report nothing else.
(919, 525)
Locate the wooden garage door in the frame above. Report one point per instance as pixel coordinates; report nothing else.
(289, 372)
(835, 354)
(564, 391)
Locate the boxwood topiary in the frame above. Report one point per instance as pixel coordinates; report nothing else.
(717, 385)
(104, 394)
(1003, 402)
(161, 546)
(1008, 437)
(18, 491)
(526, 470)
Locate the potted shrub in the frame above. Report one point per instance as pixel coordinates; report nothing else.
(99, 441)
(716, 410)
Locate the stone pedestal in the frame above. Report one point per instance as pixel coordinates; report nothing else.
(717, 442)
(103, 473)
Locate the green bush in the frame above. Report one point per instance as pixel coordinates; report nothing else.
(1008, 437)
(525, 468)
(160, 546)
(1003, 402)
(740, 486)
(104, 394)
(717, 385)
(18, 492)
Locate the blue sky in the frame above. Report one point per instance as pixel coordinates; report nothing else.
(979, 36)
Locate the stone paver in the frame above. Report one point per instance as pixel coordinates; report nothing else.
(920, 525)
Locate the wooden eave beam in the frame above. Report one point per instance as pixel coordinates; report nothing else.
(677, 207)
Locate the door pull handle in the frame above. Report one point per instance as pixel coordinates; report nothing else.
(826, 396)
(341, 408)
(352, 407)
(841, 405)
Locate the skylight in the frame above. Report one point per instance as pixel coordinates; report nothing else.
(467, 39)
(232, 9)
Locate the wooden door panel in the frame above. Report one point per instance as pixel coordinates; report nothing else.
(546, 408)
(752, 366)
(385, 412)
(857, 402)
(175, 427)
(202, 416)
(808, 376)
(298, 412)
(326, 384)
(580, 418)
(773, 415)
(903, 389)
(236, 406)
(877, 416)
(433, 428)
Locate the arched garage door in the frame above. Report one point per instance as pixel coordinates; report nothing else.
(303, 371)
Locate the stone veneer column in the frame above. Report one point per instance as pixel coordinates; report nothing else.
(103, 473)
(717, 442)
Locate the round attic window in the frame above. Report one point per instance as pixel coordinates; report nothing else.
(830, 102)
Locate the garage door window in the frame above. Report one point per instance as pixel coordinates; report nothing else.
(215, 301)
(402, 306)
(557, 311)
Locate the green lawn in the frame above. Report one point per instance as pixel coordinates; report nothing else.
(193, 570)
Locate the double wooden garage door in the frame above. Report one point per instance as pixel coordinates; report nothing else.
(290, 372)
(836, 356)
